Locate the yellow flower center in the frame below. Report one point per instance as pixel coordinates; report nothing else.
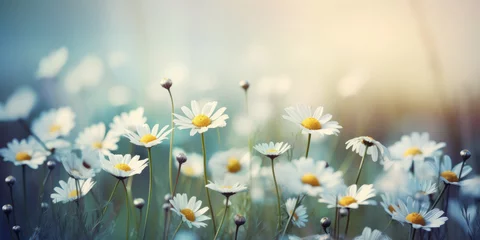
(347, 200)
(227, 187)
(73, 194)
(55, 128)
(391, 209)
(97, 145)
(272, 150)
(295, 216)
(189, 171)
(22, 156)
(415, 218)
(188, 213)
(124, 167)
(368, 141)
(311, 123)
(309, 178)
(201, 120)
(233, 165)
(412, 152)
(148, 138)
(450, 176)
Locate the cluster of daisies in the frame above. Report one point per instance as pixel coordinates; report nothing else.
(413, 188)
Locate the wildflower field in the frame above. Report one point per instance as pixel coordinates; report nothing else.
(239, 121)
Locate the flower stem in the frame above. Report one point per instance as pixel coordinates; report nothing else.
(361, 164)
(176, 230)
(176, 179)
(171, 144)
(127, 203)
(24, 182)
(150, 166)
(413, 233)
(42, 188)
(279, 213)
(348, 223)
(308, 144)
(109, 199)
(297, 203)
(206, 181)
(223, 219)
(137, 227)
(236, 232)
(461, 170)
(337, 222)
(13, 205)
(439, 196)
(388, 225)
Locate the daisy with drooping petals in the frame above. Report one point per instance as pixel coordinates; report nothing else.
(350, 197)
(94, 138)
(146, 138)
(226, 188)
(315, 123)
(189, 210)
(193, 167)
(199, 121)
(128, 121)
(124, 166)
(416, 147)
(300, 217)
(272, 150)
(368, 234)
(70, 191)
(418, 215)
(451, 175)
(18, 105)
(374, 148)
(54, 123)
(24, 152)
(74, 164)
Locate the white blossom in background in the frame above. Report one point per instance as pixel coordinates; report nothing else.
(117, 59)
(18, 105)
(119, 95)
(51, 65)
(87, 73)
(352, 83)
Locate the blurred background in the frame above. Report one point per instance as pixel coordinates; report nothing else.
(382, 68)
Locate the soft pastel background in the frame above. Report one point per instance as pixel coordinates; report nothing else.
(382, 68)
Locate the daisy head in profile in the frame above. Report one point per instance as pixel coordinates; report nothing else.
(369, 234)
(146, 137)
(374, 148)
(350, 197)
(312, 123)
(272, 150)
(450, 174)
(199, 120)
(54, 123)
(417, 214)
(226, 187)
(18, 105)
(24, 152)
(300, 216)
(71, 190)
(75, 164)
(189, 210)
(123, 166)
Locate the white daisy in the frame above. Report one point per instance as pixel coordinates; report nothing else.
(51, 65)
(75, 166)
(312, 123)
(226, 187)
(54, 123)
(417, 214)
(70, 191)
(469, 187)
(388, 200)
(124, 166)
(421, 189)
(375, 148)
(146, 138)
(300, 217)
(189, 210)
(416, 146)
(128, 121)
(94, 137)
(193, 167)
(25, 152)
(272, 150)
(314, 176)
(18, 105)
(350, 197)
(231, 163)
(451, 175)
(368, 234)
(199, 121)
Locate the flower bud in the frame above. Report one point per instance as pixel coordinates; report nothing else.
(325, 221)
(10, 180)
(166, 83)
(166, 207)
(16, 228)
(181, 158)
(343, 212)
(244, 84)
(239, 220)
(44, 206)
(167, 197)
(139, 203)
(465, 154)
(51, 164)
(7, 209)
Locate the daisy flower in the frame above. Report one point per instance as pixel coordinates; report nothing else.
(315, 123)
(25, 152)
(124, 166)
(388, 200)
(146, 137)
(51, 65)
(368, 234)
(193, 167)
(69, 191)
(128, 121)
(416, 146)
(94, 137)
(54, 123)
(300, 217)
(226, 187)
(18, 105)
(272, 150)
(76, 167)
(189, 210)
(451, 175)
(417, 214)
(375, 148)
(315, 176)
(200, 121)
(421, 189)
(350, 197)
(231, 163)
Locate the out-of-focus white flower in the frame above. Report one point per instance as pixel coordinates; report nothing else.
(71, 191)
(470, 187)
(96, 138)
(87, 73)
(368, 234)
(75, 165)
(384, 183)
(117, 59)
(353, 82)
(350, 197)
(54, 123)
(243, 125)
(421, 189)
(193, 167)
(18, 105)
(51, 65)
(128, 121)
(200, 120)
(416, 147)
(312, 123)
(25, 152)
(417, 214)
(388, 200)
(119, 95)
(300, 217)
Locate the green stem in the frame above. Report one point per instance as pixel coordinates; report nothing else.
(176, 230)
(206, 181)
(150, 183)
(388, 225)
(279, 211)
(137, 227)
(461, 170)
(24, 182)
(42, 188)
(337, 223)
(109, 199)
(348, 223)
(308, 144)
(127, 203)
(176, 180)
(361, 164)
(170, 159)
(297, 203)
(439, 196)
(14, 212)
(223, 219)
